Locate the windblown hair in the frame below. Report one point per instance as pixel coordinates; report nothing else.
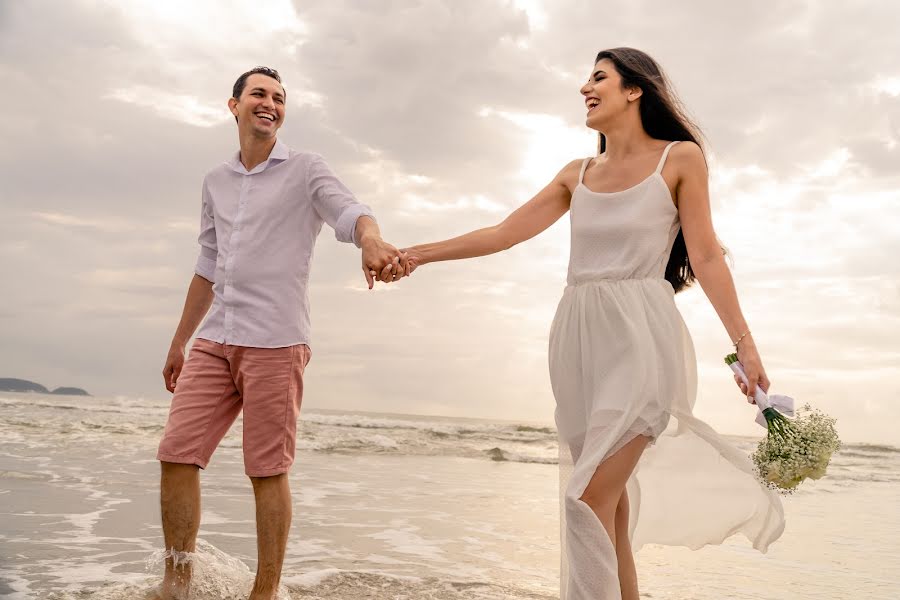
(664, 118)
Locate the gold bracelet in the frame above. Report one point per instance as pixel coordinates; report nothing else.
(745, 334)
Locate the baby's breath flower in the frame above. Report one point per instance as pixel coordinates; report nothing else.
(795, 449)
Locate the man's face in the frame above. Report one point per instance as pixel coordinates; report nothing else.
(260, 109)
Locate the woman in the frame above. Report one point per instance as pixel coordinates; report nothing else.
(621, 360)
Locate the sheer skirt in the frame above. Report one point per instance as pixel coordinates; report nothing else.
(622, 365)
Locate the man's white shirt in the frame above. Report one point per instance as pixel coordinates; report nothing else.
(258, 229)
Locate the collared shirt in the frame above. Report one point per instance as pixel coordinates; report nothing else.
(257, 232)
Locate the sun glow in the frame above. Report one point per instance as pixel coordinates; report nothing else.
(551, 146)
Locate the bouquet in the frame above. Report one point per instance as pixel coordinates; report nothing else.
(794, 449)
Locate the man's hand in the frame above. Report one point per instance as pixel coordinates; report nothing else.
(174, 364)
(382, 261)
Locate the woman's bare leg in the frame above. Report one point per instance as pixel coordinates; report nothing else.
(604, 495)
(627, 571)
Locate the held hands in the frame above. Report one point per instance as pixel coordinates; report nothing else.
(382, 261)
(414, 257)
(756, 374)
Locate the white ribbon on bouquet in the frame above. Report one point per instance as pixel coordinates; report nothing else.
(783, 404)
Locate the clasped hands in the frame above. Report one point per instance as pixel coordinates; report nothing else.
(383, 262)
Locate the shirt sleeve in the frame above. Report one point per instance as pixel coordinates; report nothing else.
(334, 202)
(206, 262)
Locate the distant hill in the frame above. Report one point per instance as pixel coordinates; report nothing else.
(21, 385)
(70, 391)
(8, 384)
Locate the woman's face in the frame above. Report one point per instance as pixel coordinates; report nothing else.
(604, 97)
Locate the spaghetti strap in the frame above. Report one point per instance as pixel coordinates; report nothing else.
(584, 165)
(662, 161)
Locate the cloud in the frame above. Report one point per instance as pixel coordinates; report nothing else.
(115, 224)
(887, 85)
(444, 116)
(179, 107)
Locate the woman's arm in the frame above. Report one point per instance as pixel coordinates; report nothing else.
(524, 223)
(707, 260)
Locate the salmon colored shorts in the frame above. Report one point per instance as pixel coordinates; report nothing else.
(217, 381)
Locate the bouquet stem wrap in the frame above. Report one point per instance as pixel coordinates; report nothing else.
(759, 396)
(770, 407)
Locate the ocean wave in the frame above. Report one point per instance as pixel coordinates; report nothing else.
(359, 421)
(848, 476)
(499, 455)
(91, 405)
(24, 476)
(865, 456)
(336, 584)
(380, 437)
(81, 426)
(372, 443)
(530, 429)
(333, 432)
(121, 428)
(870, 449)
(436, 428)
(380, 444)
(29, 402)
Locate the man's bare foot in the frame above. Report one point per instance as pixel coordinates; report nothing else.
(263, 592)
(176, 584)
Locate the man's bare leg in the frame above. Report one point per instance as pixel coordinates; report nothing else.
(179, 495)
(273, 524)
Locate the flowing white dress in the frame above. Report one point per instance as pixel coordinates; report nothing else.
(622, 365)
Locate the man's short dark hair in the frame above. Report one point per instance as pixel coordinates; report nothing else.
(241, 82)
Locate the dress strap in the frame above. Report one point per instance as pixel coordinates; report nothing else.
(662, 161)
(584, 165)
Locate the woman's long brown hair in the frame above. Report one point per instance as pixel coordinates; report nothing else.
(664, 118)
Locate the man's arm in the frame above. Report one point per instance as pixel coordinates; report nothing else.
(353, 222)
(196, 305)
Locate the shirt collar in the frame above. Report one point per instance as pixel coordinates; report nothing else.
(280, 151)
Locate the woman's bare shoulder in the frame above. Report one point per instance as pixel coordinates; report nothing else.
(688, 154)
(568, 176)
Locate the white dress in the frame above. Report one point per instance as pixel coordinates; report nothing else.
(622, 365)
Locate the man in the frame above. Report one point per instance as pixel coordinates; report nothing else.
(261, 213)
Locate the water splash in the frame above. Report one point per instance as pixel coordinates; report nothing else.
(215, 576)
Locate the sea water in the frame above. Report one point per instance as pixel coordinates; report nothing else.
(389, 507)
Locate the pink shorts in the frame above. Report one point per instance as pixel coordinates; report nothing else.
(217, 381)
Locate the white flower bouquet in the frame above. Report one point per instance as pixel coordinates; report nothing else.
(795, 448)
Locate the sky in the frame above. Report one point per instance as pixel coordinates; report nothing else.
(444, 116)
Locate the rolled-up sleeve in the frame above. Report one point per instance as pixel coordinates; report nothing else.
(334, 202)
(206, 262)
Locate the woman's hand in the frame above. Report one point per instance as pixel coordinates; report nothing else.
(415, 258)
(756, 374)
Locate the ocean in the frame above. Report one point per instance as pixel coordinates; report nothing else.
(396, 507)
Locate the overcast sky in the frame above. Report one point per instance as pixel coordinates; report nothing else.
(444, 116)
